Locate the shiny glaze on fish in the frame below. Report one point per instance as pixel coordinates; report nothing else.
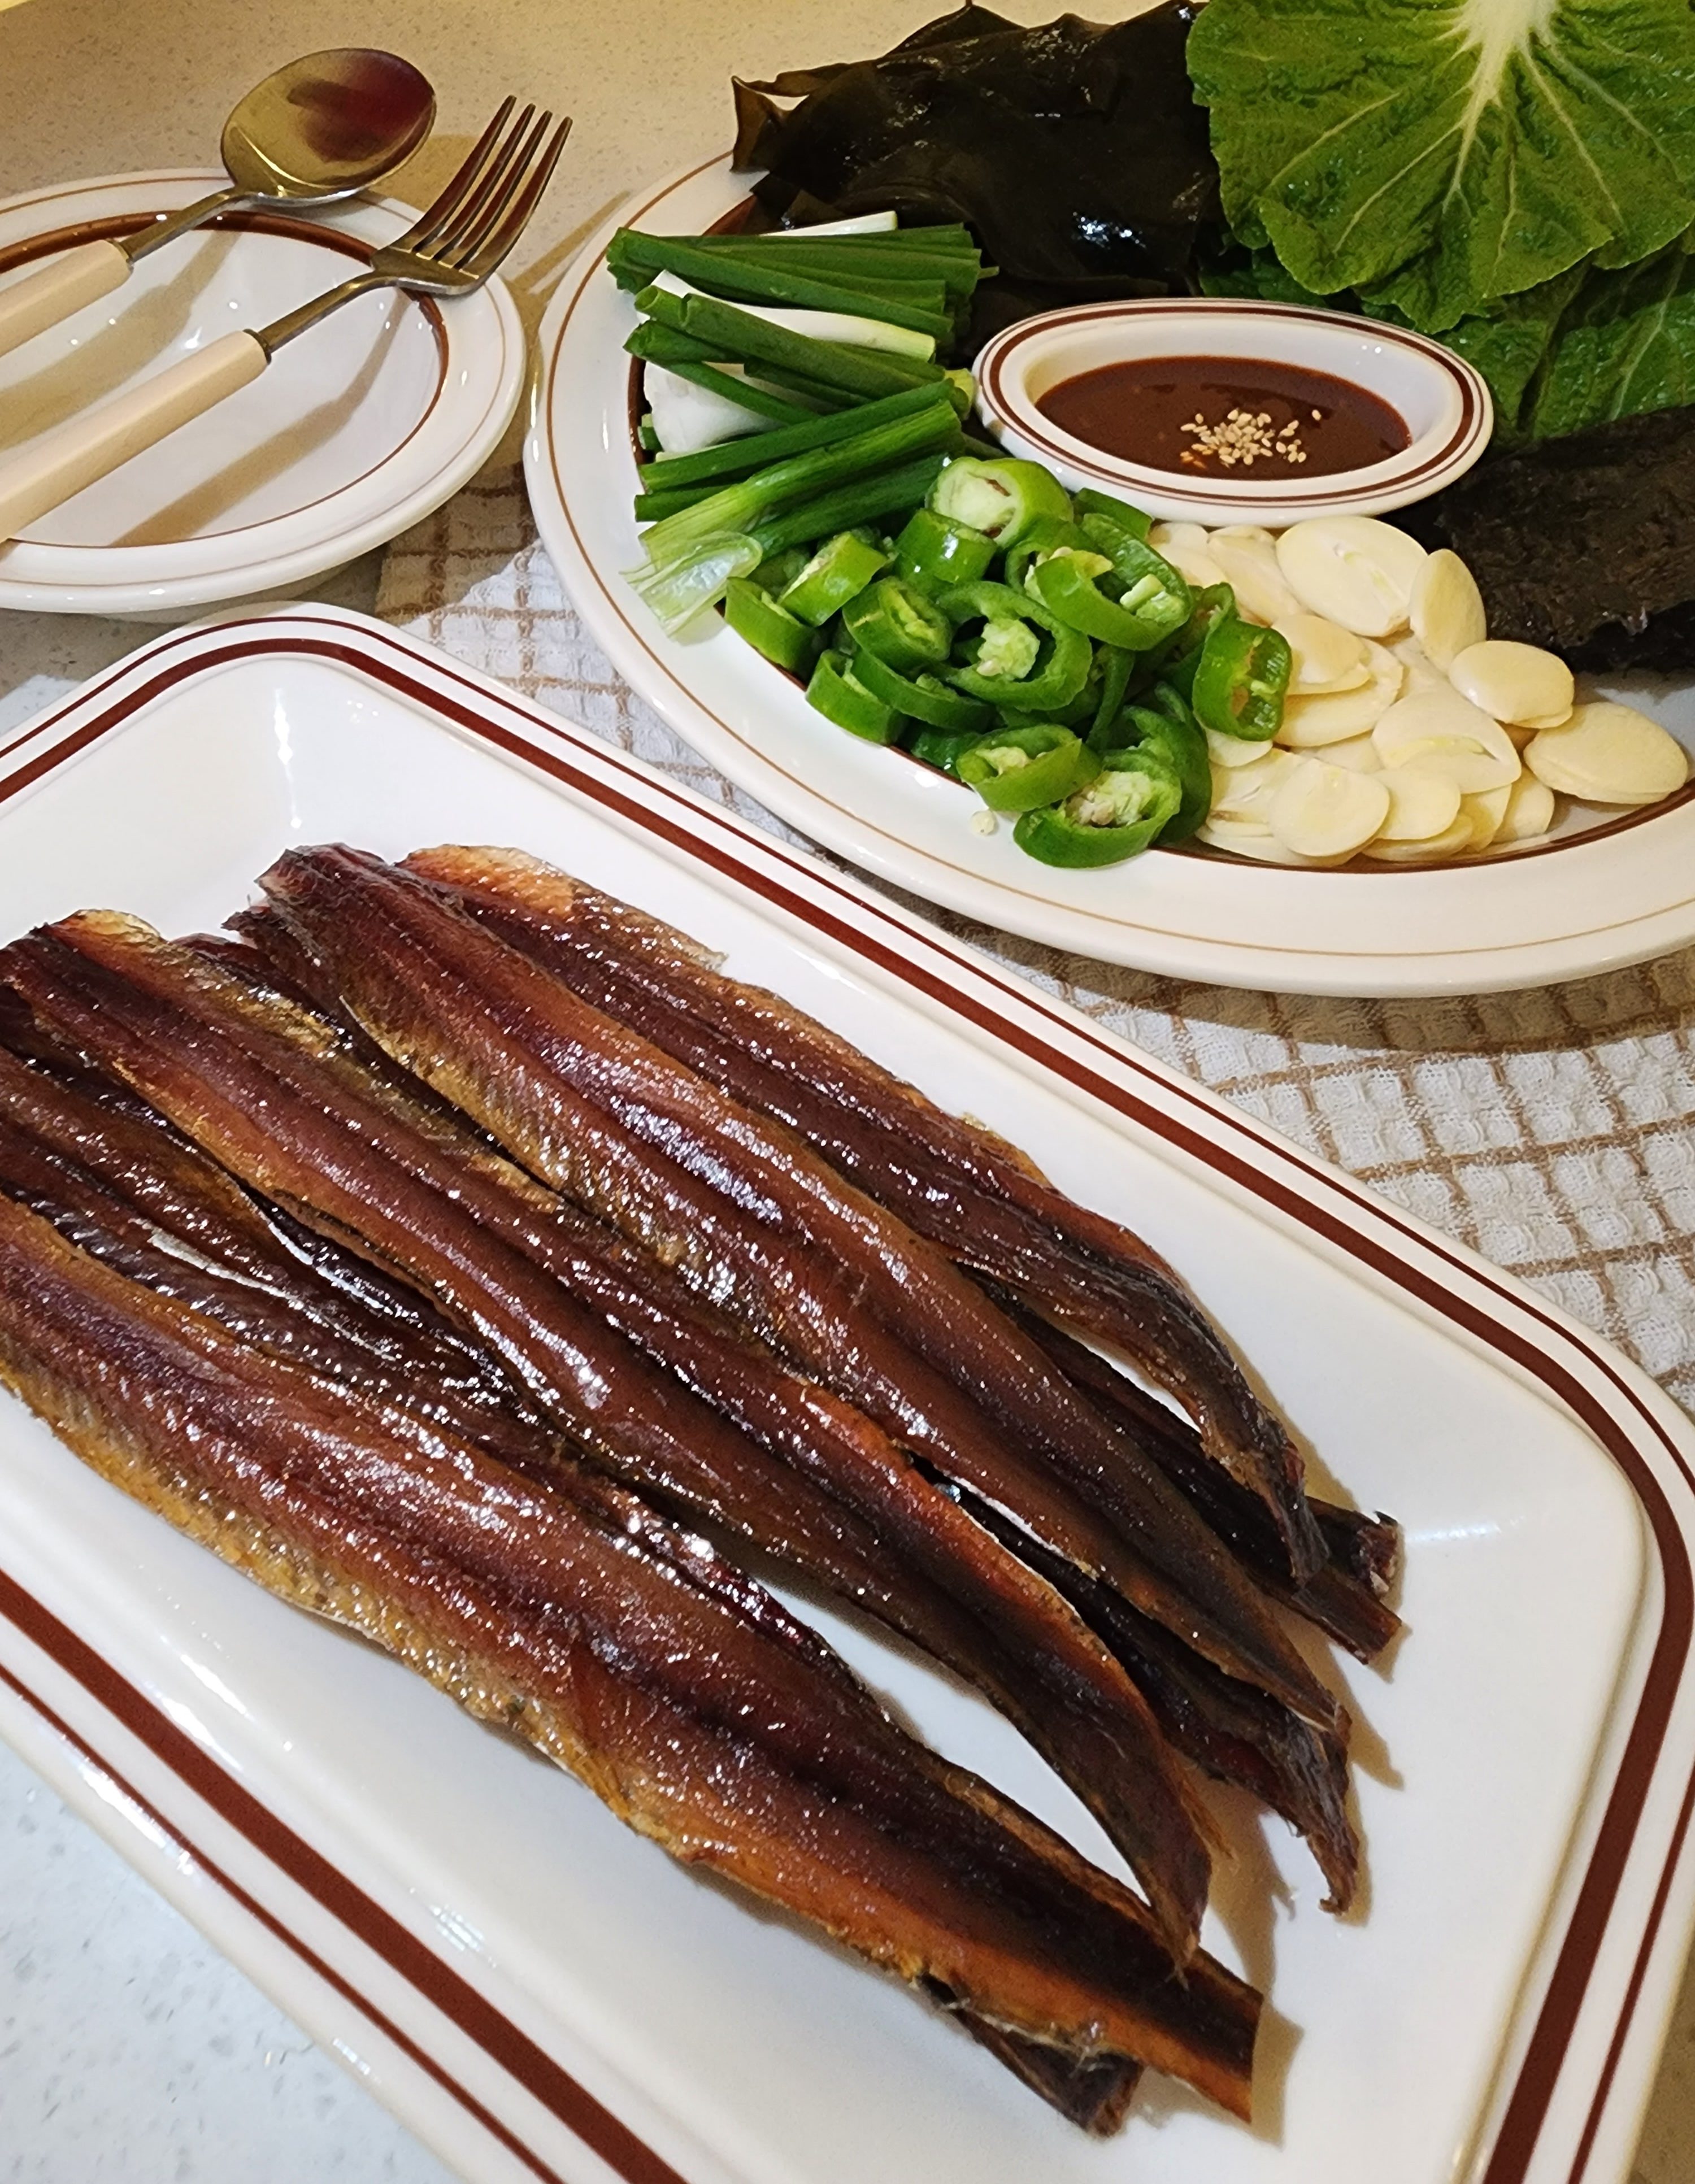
(677, 1690)
(274, 1094)
(1348, 1598)
(758, 1221)
(1234, 1732)
(954, 1181)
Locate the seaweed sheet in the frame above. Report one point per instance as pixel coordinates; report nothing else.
(1074, 150)
(1584, 544)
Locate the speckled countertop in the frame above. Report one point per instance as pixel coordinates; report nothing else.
(130, 2051)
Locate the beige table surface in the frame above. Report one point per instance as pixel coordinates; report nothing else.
(118, 2071)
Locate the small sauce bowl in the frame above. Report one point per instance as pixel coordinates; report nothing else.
(1444, 403)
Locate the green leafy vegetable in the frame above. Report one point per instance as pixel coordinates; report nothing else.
(1626, 343)
(1440, 154)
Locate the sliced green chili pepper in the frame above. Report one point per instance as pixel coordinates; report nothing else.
(777, 571)
(1020, 769)
(1089, 502)
(768, 627)
(1042, 537)
(1116, 816)
(1003, 497)
(837, 693)
(942, 747)
(897, 623)
(935, 551)
(1152, 591)
(1181, 748)
(1239, 680)
(922, 698)
(1213, 605)
(1115, 665)
(839, 571)
(1067, 581)
(1025, 658)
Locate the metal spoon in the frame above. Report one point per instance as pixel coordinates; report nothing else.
(322, 129)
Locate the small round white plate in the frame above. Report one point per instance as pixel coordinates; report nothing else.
(359, 429)
(1581, 904)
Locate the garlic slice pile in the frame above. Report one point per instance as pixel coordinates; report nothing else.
(1408, 733)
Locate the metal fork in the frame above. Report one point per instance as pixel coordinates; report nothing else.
(450, 250)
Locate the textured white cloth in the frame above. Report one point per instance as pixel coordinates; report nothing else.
(1551, 1130)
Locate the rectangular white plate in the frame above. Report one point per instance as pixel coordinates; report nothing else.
(540, 1994)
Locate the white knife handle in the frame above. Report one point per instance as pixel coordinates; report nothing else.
(42, 298)
(62, 462)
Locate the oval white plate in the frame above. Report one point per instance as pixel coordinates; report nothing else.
(1437, 395)
(356, 431)
(1563, 910)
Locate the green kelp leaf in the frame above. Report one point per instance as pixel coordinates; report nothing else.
(1439, 154)
(1625, 344)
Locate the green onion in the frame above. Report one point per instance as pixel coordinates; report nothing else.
(773, 283)
(738, 507)
(682, 589)
(733, 456)
(750, 340)
(866, 501)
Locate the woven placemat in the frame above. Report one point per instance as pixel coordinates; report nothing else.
(1550, 1129)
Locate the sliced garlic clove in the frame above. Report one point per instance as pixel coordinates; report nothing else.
(1530, 811)
(1249, 558)
(1421, 805)
(1326, 657)
(1448, 844)
(1228, 752)
(1322, 810)
(1443, 732)
(1515, 683)
(1246, 792)
(1483, 812)
(1446, 609)
(1197, 568)
(1359, 753)
(1193, 536)
(1358, 572)
(1309, 723)
(1609, 754)
(1244, 838)
(1421, 672)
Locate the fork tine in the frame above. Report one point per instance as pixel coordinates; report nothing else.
(430, 223)
(472, 233)
(491, 187)
(496, 246)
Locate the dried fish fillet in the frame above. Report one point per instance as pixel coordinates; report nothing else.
(953, 1181)
(751, 1217)
(596, 1334)
(678, 1691)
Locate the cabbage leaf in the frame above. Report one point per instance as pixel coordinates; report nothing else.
(1438, 155)
(1626, 343)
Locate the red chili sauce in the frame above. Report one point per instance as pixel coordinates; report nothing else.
(1218, 417)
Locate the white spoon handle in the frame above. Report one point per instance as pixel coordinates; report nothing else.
(42, 298)
(62, 462)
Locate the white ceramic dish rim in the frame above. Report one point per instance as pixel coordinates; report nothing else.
(1571, 2104)
(1394, 958)
(484, 368)
(1281, 332)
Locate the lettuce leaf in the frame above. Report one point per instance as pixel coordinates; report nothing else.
(1438, 155)
(1625, 344)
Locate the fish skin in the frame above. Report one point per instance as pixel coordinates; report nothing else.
(996, 1213)
(612, 1123)
(124, 1166)
(1346, 1598)
(1232, 1731)
(681, 1693)
(273, 1095)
